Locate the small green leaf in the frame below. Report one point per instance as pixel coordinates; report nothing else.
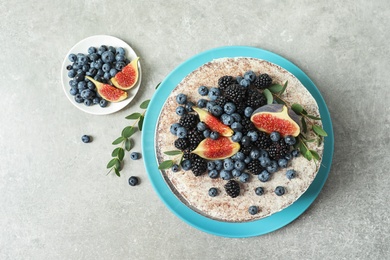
(297, 108)
(308, 155)
(118, 140)
(319, 131)
(174, 152)
(304, 112)
(302, 147)
(314, 117)
(121, 153)
(310, 140)
(316, 156)
(128, 144)
(144, 105)
(157, 85)
(117, 172)
(275, 88)
(319, 140)
(284, 88)
(128, 131)
(115, 152)
(165, 165)
(268, 96)
(118, 165)
(134, 116)
(280, 101)
(140, 123)
(111, 163)
(304, 125)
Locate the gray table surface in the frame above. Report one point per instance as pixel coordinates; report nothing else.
(56, 201)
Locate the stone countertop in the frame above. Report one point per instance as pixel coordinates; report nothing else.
(56, 201)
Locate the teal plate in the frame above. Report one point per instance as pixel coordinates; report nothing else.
(219, 228)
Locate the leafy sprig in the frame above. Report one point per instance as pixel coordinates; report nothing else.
(125, 141)
(169, 163)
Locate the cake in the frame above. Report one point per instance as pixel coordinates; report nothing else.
(259, 197)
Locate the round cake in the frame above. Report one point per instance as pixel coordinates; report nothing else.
(217, 162)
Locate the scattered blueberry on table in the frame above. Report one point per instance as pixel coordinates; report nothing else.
(133, 181)
(86, 139)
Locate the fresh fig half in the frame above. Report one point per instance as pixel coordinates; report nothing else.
(127, 77)
(276, 117)
(218, 149)
(213, 123)
(108, 92)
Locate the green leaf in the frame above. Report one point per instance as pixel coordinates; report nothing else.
(174, 152)
(310, 140)
(304, 125)
(112, 162)
(144, 105)
(121, 153)
(115, 152)
(128, 144)
(140, 123)
(319, 140)
(284, 88)
(117, 172)
(165, 165)
(268, 96)
(314, 117)
(297, 108)
(319, 131)
(308, 155)
(316, 156)
(280, 101)
(134, 116)
(157, 85)
(128, 131)
(118, 140)
(302, 147)
(275, 88)
(118, 165)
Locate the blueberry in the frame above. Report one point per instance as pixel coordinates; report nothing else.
(275, 136)
(213, 192)
(253, 210)
(245, 83)
(106, 67)
(244, 177)
(203, 90)
(175, 168)
(90, 85)
(225, 175)
(214, 135)
(237, 137)
(78, 98)
(103, 103)
(264, 176)
(210, 165)
(189, 106)
(174, 127)
(120, 65)
(216, 110)
(87, 102)
(290, 140)
(202, 103)
(79, 77)
(96, 100)
(93, 57)
(248, 111)
(273, 167)
(120, 51)
(238, 79)
(91, 50)
(186, 164)
(73, 91)
(206, 133)
(181, 132)
(253, 135)
(263, 153)
(113, 72)
(218, 165)
(236, 126)
(240, 156)
(247, 159)
(282, 163)
(236, 117)
(295, 153)
(69, 67)
(228, 164)
(119, 57)
(213, 174)
(133, 181)
(290, 174)
(91, 72)
(288, 156)
(180, 110)
(239, 165)
(86, 94)
(71, 73)
(246, 141)
(106, 75)
(81, 58)
(227, 119)
(265, 161)
(236, 173)
(135, 156)
(201, 126)
(72, 57)
(210, 105)
(86, 139)
(254, 154)
(214, 93)
(250, 75)
(280, 190)
(229, 108)
(181, 99)
(85, 68)
(99, 64)
(108, 56)
(259, 191)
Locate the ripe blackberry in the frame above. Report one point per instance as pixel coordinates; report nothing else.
(235, 93)
(189, 121)
(246, 125)
(232, 188)
(225, 81)
(240, 108)
(199, 165)
(263, 81)
(263, 141)
(254, 167)
(278, 149)
(194, 138)
(246, 149)
(255, 99)
(182, 143)
(221, 101)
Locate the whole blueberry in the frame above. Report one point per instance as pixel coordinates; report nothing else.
(246, 141)
(228, 164)
(86, 138)
(288, 156)
(81, 58)
(91, 50)
(135, 156)
(206, 133)
(88, 102)
(189, 106)
(181, 132)
(73, 91)
(202, 103)
(216, 110)
(133, 181)
(253, 210)
(229, 108)
(218, 165)
(236, 173)
(280, 190)
(213, 174)
(247, 159)
(73, 83)
(253, 135)
(78, 98)
(173, 128)
(180, 110)
(265, 161)
(282, 163)
(236, 126)
(295, 153)
(214, 93)
(238, 79)
(96, 100)
(254, 154)
(290, 140)
(213, 192)
(90, 85)
(245, 83)
(80, 77)
(250, 75)
(264, 176)
(227, 119)
(120, 51)
(106, 75)
(103, 103)
(69, 67)
(214, 135)
(201, 126)
(244, 177)
(108, 56)
(106, 67)
(263, 153)
(113, 72)
(210, 165)
(181, 99)
(236, 117)
(248, 111)
(186, 164)
(259, 191)
(239, 165)
(175, 168)
(210, 105)
(240, 156)
(71, 73)
(290, 174)
(94, 56)
(72, 57)
(203, 91)
(119, 57)
(273, 167)
(225, 175)
(274, 136)
(120, 65)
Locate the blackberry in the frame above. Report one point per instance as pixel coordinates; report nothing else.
(225, 81)
(235, 93)
(189, 121)
(232, 188)
(194, 138)
(255, 99)
(246, 150)
(241, 107)
(278, 150)
(254, 167)
(221, 101)
(246, 125)
(182, 143)
(199, 165)
(263, 81)
(263, 141)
